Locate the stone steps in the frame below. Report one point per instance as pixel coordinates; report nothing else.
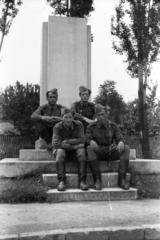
(13, 167)
(109, 180)
(45, 155)
(106, 194)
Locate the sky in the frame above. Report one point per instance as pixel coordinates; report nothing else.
(20, 57)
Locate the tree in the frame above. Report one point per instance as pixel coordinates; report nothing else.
(130, 119)
(108, 95)
(72, 8)
(9, 12)
(17, 104)
(139, 40)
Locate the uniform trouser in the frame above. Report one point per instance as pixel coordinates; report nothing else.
(75, 155)
(104, 154)
(44, 131)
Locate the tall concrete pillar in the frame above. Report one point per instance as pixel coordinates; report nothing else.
(66, 58)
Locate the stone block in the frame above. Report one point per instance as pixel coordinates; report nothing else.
(15, 168)
(108, 180)
(106, 194)
(40, 144)
(43, 235)
(36, 155)
(41, 153)
(9, 237)
(83, 234)
(145, 166)
(132, 154)
(152, 232)
(127, 233)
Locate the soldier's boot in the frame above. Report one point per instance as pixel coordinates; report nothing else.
(61, 176)
(122, 181)
(94, 166)
(82, 176)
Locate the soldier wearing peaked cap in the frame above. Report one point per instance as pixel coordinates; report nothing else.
(106, 143)
(84, 109)
(46, 116)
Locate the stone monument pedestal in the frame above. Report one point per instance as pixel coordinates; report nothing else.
(65, 58)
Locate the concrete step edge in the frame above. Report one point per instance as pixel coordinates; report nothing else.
(115, 189)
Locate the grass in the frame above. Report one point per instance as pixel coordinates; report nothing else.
(29, 189)
(32, 189)
(148, 185)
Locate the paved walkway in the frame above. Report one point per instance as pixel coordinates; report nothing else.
(27, 218)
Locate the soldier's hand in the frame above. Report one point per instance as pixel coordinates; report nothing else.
(47, 118)
(87, 120)
(93, 145)
(120, 147)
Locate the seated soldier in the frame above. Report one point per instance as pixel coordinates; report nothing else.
(68, 144)
(100, 137)
(46, 116)
(85, 110)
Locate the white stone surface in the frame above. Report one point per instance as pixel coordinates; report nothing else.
(66, 58)
(44, 64)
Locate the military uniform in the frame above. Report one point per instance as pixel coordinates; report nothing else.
(83, 109)
(45, 129)
(72, 149)
(107, 136)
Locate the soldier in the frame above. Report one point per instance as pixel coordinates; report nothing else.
(85, 110)
(46, 116)
(100, 137)
(68, 143)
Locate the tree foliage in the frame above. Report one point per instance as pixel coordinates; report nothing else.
(137, 28)
(17, 104)
(9, 12)
(72, 8)
(130, 120)
(133, 26)
(108, 95)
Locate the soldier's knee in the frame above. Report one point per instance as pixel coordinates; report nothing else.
(60, 155)
(126, 149)
(91, 155)
(81, 154)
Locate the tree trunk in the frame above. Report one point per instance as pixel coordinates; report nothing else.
(1, 42)
(143, 124)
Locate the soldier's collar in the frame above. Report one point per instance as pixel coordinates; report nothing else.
(102, 124)
(83, 104)
(69, 127)
(49, 106)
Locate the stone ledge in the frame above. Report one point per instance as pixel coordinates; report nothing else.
(106, 194)
(144, 232)
(46, 155)
(109, 180)
(14, 167)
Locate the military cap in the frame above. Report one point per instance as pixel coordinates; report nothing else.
(68, 110)
(53, 91)
(99, 108)
(83, 89)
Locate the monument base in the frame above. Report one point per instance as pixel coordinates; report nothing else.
(40, 144)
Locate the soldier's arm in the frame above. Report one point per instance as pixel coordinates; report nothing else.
(89, 134)
(117, 134)
(37, 115)
(80, 136)
(77, 116)
(57, 140)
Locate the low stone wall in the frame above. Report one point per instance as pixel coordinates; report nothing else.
(145, 232)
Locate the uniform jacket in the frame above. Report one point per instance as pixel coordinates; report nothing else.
(74, 135)
(103, 135)
(82, 110)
